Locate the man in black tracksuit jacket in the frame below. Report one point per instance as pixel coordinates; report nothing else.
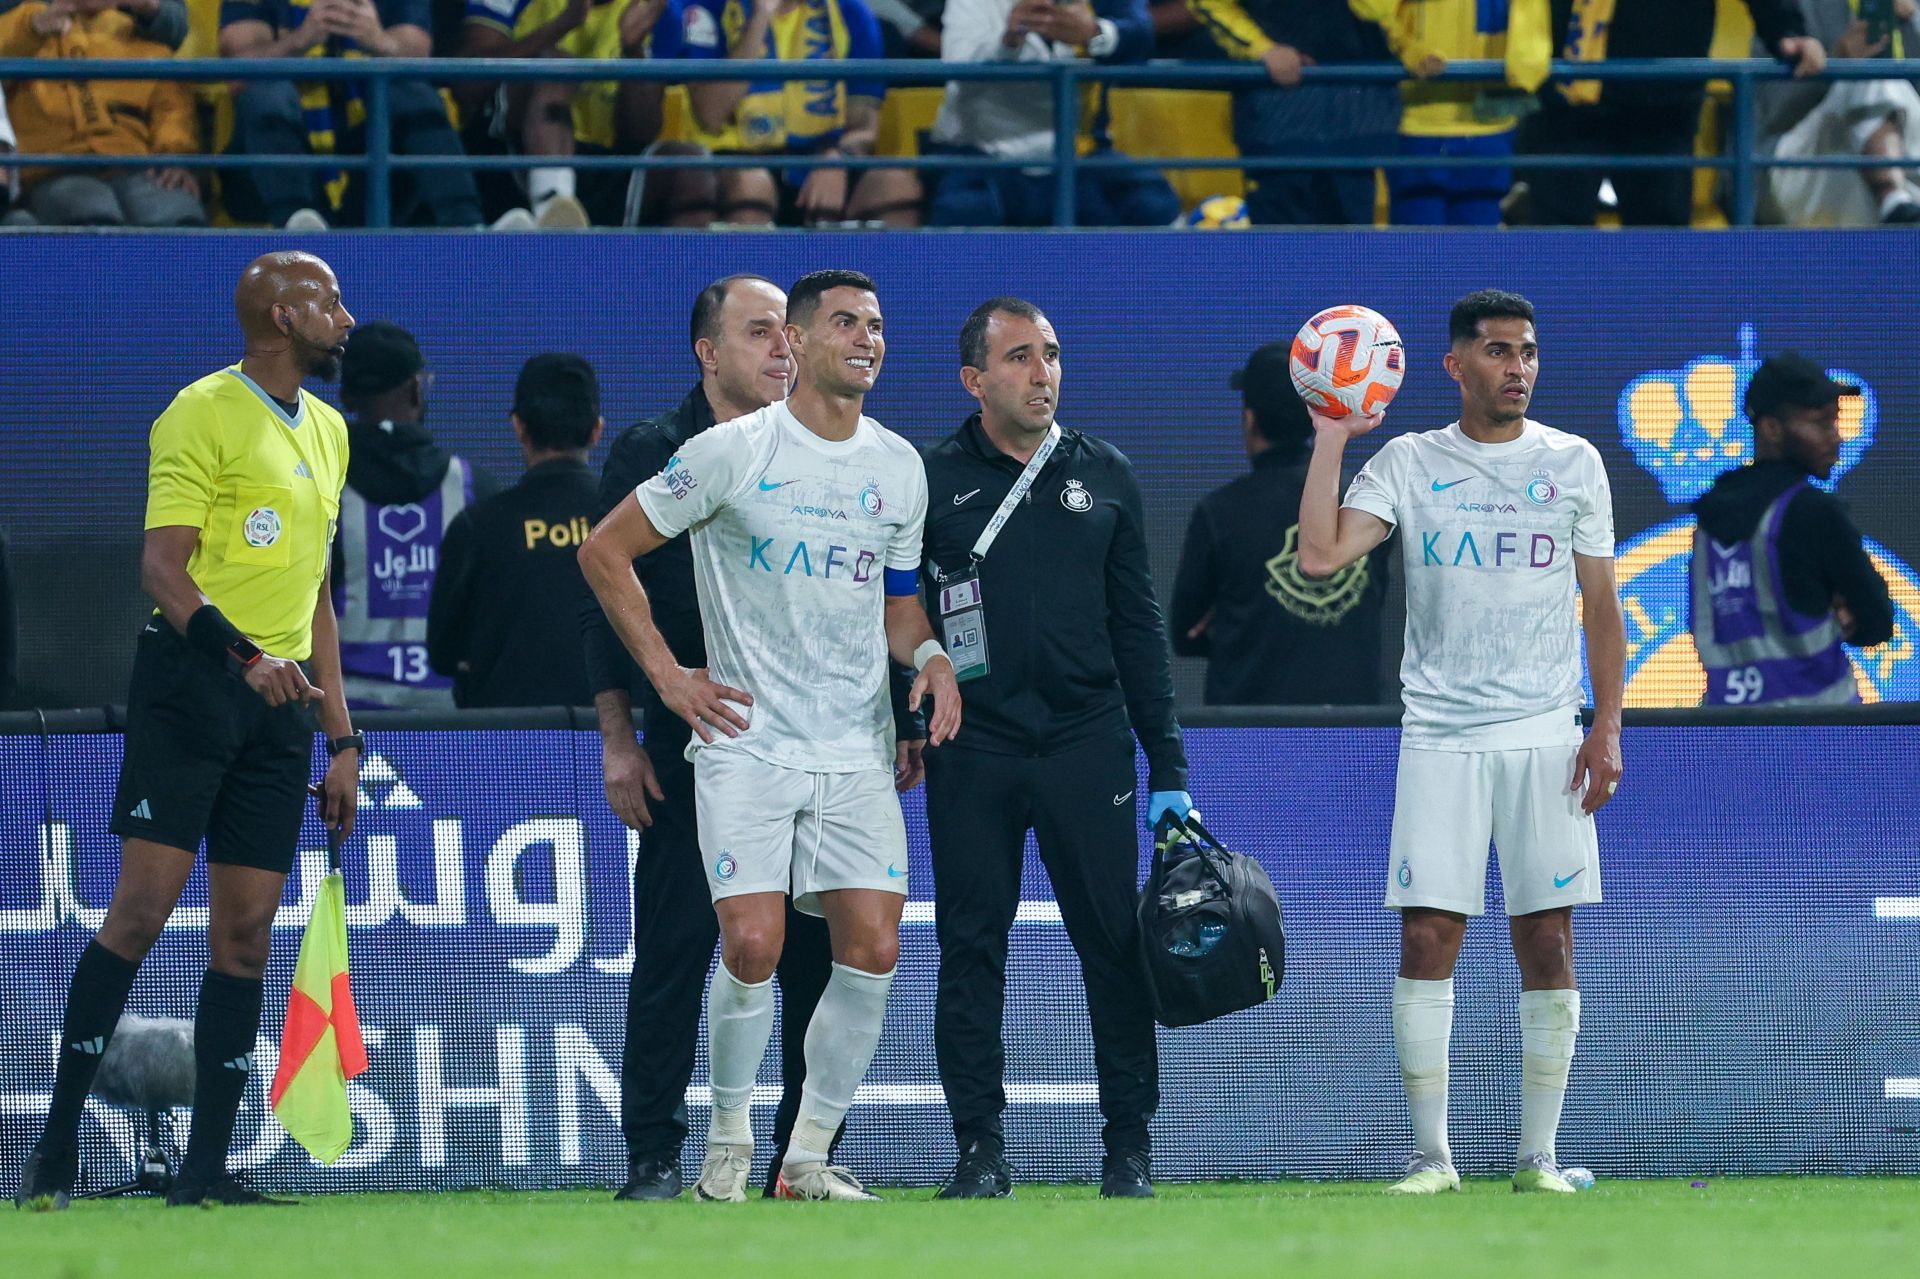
(742, 350)
(1273, 636)
(1077, 654)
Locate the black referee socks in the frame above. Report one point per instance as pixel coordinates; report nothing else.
(101, 981)
(224, 1029)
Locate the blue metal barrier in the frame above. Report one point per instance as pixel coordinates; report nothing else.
(1066, 79)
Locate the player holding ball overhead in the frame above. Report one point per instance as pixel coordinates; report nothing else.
(1500, 517)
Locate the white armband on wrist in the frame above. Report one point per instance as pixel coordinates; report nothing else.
(1105, 40)
(926, 653)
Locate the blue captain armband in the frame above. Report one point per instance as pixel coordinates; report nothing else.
(903, 581)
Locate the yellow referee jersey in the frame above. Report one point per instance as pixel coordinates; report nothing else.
(263, 488)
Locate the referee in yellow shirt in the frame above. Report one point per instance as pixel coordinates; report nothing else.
(243, 495)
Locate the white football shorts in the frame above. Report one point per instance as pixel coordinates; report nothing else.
(768, 829)
(1447, 806)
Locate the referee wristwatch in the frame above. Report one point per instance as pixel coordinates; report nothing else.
(242, 656)
(351, 742)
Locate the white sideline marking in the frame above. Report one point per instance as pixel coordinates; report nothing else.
(926, 1095)
(1042, 913)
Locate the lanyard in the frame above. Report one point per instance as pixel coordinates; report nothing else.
(1014, 494)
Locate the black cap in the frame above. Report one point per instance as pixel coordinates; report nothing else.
(1266, 387)
(380, 356)
(1267, 378)
(1790, 380)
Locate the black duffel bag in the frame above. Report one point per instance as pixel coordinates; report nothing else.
(1211, 936)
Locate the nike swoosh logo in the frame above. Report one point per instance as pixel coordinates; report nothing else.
(1558, 882)
(1438, 487)
(894, 873)
(768, 488)
(1121, 799)
(963, 497)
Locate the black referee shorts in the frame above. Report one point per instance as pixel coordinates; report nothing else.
(207, 758)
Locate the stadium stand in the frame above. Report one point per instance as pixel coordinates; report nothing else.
(128, 119)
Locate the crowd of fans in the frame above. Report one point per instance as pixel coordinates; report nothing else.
(138, 126)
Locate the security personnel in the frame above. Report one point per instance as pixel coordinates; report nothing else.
(1273, 636)
(1780, 579)
(1036, 559)
(403, 492)
(739, 341)
(501, 622)
(242, 493)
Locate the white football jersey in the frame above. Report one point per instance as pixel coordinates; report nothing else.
(1488, 533)
(792, 535)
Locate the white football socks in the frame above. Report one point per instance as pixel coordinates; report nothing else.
(739, 1022)
(1422, 1031)
(1549, 1023)
(841, 1040)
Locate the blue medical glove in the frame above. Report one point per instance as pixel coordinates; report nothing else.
(1162, 802)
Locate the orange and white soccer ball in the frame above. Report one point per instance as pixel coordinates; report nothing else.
(1347, 360)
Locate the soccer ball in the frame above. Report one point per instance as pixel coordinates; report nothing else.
(1216, 213)
(1347, 359)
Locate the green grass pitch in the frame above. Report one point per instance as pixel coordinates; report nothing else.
(1827, 1228)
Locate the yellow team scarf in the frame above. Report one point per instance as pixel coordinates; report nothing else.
(1529, 44)
(329, 108)
(1587, 29)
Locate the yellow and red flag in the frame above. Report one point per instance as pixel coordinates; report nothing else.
(320, 1044)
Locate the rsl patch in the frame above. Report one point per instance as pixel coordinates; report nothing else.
(725, 867)
(1404, 874)
(262, 527)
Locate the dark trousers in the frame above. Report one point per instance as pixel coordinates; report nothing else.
(268, 120)
(1133, 196)
(1450, 197)
(1648, 197)
(674, 932)
(979, 809)
(1314, 120)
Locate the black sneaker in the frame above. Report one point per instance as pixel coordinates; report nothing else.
(1905, 213)
(47, 1177)
(651, 1180)
(228, 1190)
(982, 1173)
(1126, 1174)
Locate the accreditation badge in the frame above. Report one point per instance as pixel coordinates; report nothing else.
(963, 623)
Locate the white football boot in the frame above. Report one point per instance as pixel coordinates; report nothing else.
(1426, 1176)
(1538, 1175)
(821, 1181)
(723, 1174)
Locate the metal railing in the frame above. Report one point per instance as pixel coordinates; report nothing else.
(376, 76)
